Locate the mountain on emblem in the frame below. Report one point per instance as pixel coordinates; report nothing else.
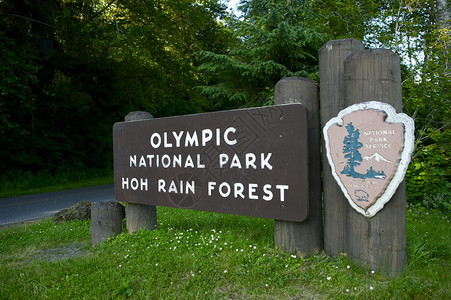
(368, 148)
(377, 157)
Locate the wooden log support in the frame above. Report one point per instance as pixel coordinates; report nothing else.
(380, 241)
(331, 69)
(304, 238)
(350, 75)
(140, 216)
(106, 220)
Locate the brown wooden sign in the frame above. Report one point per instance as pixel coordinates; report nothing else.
(249, 162)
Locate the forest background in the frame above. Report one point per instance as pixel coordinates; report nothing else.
(69, 69)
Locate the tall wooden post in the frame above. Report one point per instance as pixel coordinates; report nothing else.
(106, 220)
(351, 75)
(140, 216)
(331, 69)
(304, 238)
(376, 75)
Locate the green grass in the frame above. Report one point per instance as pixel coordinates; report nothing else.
(198, 255)
(25, 183)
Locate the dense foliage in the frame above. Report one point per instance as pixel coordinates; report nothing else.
(71, 68)
(275, 39)
(419, 31)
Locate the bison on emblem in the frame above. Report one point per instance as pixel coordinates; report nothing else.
(361, 195)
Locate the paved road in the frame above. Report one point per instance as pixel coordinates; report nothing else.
(25, 208)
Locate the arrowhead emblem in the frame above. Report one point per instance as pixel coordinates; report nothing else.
(369, 147)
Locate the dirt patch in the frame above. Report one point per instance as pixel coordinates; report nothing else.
(64, 252)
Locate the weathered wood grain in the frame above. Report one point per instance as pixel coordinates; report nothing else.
(380, 241)
(350, 75)
(331, 69)
(106, 220)
(140, 216)
(304, 238)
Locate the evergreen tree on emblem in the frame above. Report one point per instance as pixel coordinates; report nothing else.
(351, 146)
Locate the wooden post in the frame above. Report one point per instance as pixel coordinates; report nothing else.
(380, 241)
(304, 238)
(140, 216)
(331, 69)
(106, 220)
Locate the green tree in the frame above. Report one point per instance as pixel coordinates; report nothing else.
(160, 39)
(273, 39)
(418, 30)
(276, 39)
(74, 67)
